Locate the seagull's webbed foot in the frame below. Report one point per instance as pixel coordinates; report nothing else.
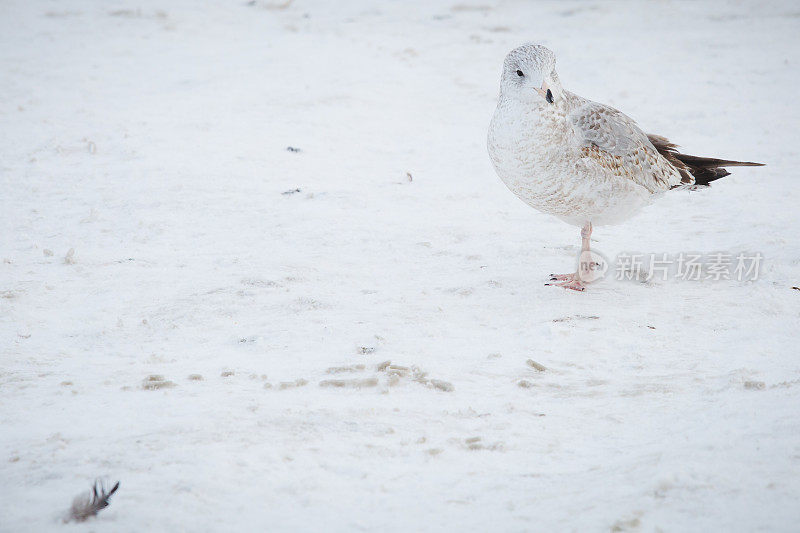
(574, 281)
(567, 281)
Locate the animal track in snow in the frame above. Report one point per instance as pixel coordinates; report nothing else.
(156, 382)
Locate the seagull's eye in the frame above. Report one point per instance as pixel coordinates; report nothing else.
(549, 96)
(520, 74)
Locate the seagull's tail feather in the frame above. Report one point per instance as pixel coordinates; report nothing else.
(703, 170)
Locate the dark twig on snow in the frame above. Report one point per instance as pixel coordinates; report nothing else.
(90, 503)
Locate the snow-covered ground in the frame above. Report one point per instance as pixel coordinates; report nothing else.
(151, 139)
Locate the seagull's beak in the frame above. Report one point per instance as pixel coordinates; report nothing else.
(545, 92)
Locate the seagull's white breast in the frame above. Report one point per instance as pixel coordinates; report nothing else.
(532, 152)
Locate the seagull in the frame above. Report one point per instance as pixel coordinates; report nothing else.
(581, 161)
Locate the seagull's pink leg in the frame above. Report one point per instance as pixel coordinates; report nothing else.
(573, 281)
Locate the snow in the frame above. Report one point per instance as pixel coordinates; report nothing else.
(150, 236)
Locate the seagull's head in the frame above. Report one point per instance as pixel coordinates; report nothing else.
(529, 75)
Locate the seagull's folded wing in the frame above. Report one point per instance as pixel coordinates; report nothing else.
(612, 140)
